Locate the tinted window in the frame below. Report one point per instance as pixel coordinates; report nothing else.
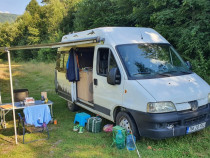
(103, 54)
(112, 63)
(106, 61)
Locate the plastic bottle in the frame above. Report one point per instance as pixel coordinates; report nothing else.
(130, 142)
(120, 140)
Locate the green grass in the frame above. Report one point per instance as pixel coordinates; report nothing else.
(64, 142)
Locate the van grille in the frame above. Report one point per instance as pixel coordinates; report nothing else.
(190, 110)
(195, 120)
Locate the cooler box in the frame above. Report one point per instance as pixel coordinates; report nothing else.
(94, 124)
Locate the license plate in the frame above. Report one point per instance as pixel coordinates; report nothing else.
(196, 127)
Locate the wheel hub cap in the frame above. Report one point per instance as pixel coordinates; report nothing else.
(125, 124)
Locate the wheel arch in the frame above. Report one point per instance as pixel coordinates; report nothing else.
(119, 109)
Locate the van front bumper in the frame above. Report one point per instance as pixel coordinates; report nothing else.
(165, 125)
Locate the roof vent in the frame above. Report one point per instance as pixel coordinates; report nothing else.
(91, 33)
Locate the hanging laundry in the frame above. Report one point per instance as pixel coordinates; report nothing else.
(72, 66)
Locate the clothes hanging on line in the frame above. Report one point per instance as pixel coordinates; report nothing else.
(72, 66)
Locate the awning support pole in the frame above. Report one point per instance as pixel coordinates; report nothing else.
(12, 95)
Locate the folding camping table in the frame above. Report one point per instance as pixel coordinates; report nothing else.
(6, 108)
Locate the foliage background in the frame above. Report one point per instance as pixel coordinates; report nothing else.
(184, 23)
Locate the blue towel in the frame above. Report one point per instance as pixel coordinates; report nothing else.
(37, 115)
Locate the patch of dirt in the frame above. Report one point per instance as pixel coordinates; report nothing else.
(3, 74)
(53, 148)
(58, 142)
(7, 145)
(4, 71)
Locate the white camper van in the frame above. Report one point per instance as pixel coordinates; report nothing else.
(134, 77)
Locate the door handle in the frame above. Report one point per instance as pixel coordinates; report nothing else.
(95, 81)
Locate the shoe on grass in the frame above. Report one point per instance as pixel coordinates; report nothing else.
(76, 128)
(81, 129)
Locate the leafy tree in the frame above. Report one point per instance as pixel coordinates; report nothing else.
(33, 7)
(185, 23)
(98, 13)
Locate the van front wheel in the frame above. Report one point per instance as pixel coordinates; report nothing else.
(124, 120)
(72, 107)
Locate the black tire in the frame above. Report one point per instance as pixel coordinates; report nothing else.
(129, 124)
(72, 107)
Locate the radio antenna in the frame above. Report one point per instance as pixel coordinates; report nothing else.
(141, 35)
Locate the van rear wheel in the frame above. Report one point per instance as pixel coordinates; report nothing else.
(124, 120)
(72, 107)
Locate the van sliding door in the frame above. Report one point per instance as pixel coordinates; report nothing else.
(62, 85)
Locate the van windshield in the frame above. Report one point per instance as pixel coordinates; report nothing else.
(151, 60)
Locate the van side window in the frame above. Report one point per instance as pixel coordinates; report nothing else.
(106, 61)
(58, 60)
(103, 54)
(66, 57)
(112, 62)
(61, 61)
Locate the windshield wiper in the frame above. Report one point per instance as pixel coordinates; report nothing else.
(167, 73)
(140, 73)
(164, 74)
(186, 72)
(173, 71)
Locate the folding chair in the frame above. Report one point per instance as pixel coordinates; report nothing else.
(38, 116)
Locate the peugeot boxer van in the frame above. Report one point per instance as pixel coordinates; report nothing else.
(134, 77)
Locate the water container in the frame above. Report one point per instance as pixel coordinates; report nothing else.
(120, 140)
(130, 142)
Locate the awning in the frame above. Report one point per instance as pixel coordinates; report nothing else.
(49, 45)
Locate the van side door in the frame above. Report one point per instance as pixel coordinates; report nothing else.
(62, 85)
(105, 96)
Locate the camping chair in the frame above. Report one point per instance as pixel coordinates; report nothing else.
(38, 116)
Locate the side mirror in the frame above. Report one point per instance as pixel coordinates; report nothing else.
(189, 65)
(113, 76)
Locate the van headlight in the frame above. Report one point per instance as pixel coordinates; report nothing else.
(209, 98)
(160, 107)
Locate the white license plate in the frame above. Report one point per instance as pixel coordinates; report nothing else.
(196, 127)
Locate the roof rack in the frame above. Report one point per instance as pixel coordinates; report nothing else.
(55, 45)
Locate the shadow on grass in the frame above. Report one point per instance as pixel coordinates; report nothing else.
(7, 141)
(7, 131)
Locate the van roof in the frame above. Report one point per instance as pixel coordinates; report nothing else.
(119, 35)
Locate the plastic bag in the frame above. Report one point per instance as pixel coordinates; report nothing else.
(108, 128)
